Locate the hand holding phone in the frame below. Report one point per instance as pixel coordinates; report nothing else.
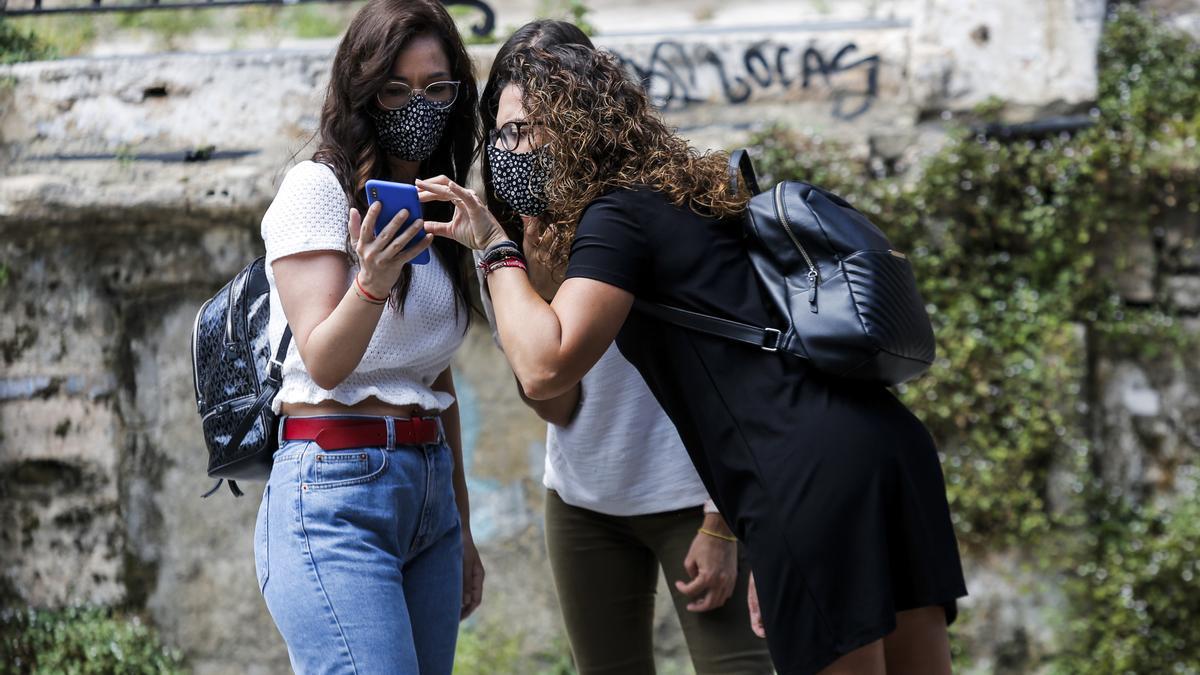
(395, 197)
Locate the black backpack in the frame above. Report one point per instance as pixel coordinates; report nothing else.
(848, 300)
(236, 378)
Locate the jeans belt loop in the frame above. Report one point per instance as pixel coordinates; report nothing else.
(391, 432)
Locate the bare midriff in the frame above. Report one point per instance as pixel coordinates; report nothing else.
(369, 406)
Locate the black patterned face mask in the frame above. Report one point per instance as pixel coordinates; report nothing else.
(519, 178)
(411, 133)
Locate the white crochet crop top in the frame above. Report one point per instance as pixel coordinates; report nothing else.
(408, 350)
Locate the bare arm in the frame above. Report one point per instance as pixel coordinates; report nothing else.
(549, 346)
(331, 325)
(560, 410)
(552, 346)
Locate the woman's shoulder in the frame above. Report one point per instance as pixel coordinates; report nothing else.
(310, 199)
(625, 204)
(635, 195)
(310, 175)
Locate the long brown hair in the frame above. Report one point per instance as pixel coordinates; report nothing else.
(603, 134)
(362, 65)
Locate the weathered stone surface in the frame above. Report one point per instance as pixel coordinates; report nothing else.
(1183, 292)
(101, 461)
(1181, 240)
(243, 101)
(1008, 620)
(1150, 412)
(1027, 53)
(846, 70)
(1124, 383)
(1131, 260)
(61, 539)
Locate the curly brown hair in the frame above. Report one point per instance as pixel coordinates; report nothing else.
(603, 134)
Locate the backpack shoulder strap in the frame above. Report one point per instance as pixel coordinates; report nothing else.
(740, 165)
(768, 339)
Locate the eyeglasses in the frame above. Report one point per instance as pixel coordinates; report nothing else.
(396, 95)
(510, 135)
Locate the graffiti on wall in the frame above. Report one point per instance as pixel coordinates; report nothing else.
(678, 75)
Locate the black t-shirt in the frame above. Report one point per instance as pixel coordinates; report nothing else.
(722, 395)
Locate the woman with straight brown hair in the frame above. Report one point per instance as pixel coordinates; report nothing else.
(363, 544)
(833, 486)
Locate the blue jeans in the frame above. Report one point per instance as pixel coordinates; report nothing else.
(359, 557)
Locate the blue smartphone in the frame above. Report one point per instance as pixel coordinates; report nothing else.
(394, 197)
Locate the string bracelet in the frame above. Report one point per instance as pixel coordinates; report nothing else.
(718, 535)
(514, 261)
(365, 296)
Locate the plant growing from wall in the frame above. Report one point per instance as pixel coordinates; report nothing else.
(82, 641)
(18, 44)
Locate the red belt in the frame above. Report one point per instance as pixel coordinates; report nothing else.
(340, 433)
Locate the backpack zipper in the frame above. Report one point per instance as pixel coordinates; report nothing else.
(814, 276)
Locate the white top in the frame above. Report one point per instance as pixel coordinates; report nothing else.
(621, 455)
(408, 350)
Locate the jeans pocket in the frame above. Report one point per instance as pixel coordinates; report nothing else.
(262, 540)
(341, 468)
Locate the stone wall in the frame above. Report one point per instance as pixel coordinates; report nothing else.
(109, 242)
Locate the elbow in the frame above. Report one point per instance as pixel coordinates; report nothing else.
(554, 415)
(544, 385)
(326, 379)
(325, 382)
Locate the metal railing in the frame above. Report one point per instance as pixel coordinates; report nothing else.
(38, 8)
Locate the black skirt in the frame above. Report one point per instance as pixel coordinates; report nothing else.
(846, 523)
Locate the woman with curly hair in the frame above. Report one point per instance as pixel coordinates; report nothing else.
(363, 544)
(833, 486)
(623, 500)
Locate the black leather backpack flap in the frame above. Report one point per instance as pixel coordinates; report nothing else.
(830, 225)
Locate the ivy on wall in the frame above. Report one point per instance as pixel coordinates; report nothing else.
(1013, 244)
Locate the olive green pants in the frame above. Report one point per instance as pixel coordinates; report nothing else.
(606, 574)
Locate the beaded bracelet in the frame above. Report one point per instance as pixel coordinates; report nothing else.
(501, 250)
(503, 243)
